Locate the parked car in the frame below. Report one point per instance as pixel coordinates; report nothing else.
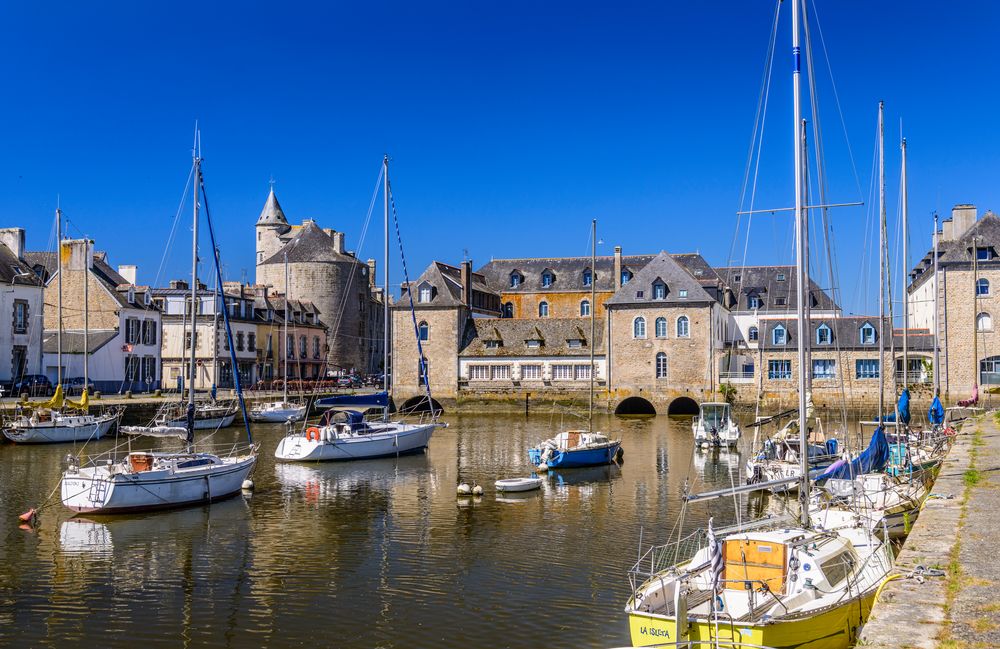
(345, 382)
(35, 385)
(74, 386)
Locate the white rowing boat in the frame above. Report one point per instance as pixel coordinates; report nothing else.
(518, 484)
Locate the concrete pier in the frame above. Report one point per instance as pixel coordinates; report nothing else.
(957, 533)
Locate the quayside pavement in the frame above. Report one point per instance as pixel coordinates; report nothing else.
(958, 533)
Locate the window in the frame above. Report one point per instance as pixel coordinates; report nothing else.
(661, 327)
(626, 276)
(823, 335)
(984, 322)
(737, 278)
(132, 330)
(531, 372)
(149, 369)
(781, 277)
(837, 568)
(492, 344)
(779, 335)
(754, 334)
(149, 332)
(501, 372)
(508, 310)
(562, 372)
(251, 342)
(639, 327)
(426, 292)
(989, 371)
(683, 327)
(683, 292)
(867, 334)
(581, 372)
(187, 340)
(423, 331)
(659, 291)
(423, 371)
(781, 301)
(533, 343)
(479, 372)
(661, 366)
(290, 347)
(515, 279)
(585, 308)
(779, 369)
(638, 294)
(574, 343)
(588, 277)
(131, 296)
(131, 367)
(239, 341)
(20, 316)
(547, 279)
(543, 309)
(316, 349)
(303, 347)
(984, 254)
(866, 368)
(753, 302)
(982, 286)
(824, 368)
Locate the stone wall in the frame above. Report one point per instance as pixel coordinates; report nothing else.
(446, 326)
(562, 304)
(959, 340)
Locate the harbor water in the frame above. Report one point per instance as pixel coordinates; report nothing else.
(363, 554)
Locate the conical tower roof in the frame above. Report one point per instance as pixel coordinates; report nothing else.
(272, 213)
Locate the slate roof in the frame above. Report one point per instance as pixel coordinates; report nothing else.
(72, 341)
(310, 245)
(47, 266)
(512, 334)
(763, 282)
(846, 331)
(568, 272)
(276, 302)
(682, 287)
(16, 271)
(446, 282)
(272, 214)
(958, 252)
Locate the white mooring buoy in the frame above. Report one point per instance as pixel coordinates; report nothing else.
(248, 485)
(464, 489)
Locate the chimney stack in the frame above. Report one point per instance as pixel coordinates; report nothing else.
(372, 268)
(128, 271)
(338, 242)
(179, 284)
(13, 238)
(963, 217)
(618, 268)
(467, 283)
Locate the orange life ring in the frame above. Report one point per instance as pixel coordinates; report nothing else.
(311, 431)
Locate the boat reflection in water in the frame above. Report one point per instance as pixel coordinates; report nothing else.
(322, 481)
(585, 475)
(718, 465)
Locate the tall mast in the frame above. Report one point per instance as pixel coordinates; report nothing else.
(86, 312)
(906, 270)
(284, 383)
(385, 290)
(937, 329)
(59, 244)
(881, 265)
(593, 307)
(220, 302)
(193, 369)
(800, 245)
(975, 316)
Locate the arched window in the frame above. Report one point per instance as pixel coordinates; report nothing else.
(753, 334)
(661, 366)
(639, 327)
(588, 277)
(982, 286)
(984, 322)
(508, 310)
(424, 330)
(515, 279)
(661, 327)
(867, 334)
(547, 279)
(543, 309)
(683, 327)
(585, 307)
(779, 335)
(823, 335)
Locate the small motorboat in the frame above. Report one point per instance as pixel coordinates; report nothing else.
(518, 484)
(715, 426)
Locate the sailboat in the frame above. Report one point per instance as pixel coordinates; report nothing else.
(580, 448)
(148, 480)
(345, 434)
(284, 410)
(775, 585)
(59, 419)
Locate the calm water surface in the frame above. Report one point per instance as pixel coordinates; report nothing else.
(364, 554)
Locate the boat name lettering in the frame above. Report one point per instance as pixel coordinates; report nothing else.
(653, 631)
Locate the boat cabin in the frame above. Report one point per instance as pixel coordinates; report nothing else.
(714, 415)
(575, 438)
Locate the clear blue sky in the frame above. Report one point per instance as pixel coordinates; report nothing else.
(510, 124)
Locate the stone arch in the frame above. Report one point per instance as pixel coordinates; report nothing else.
(419, 404)
(635, 406)
(683, 406)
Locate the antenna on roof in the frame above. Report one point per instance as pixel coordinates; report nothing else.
(271, 182)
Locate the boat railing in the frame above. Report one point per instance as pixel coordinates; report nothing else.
(658, 558)
(715, 643)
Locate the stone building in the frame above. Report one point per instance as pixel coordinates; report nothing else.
(123, 323)
(968, 291)
(323, 272)
(302, 355)
(21, 305)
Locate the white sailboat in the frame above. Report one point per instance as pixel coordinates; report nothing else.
(346, 435)
(148, 480)
(284, 410)
(59, 419)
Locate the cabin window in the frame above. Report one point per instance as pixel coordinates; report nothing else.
(423, 330)
(823, 335)
(866, 368)
(779, 369)
(543, 309)
(585, 308)
(683, 327)
(984, 322)
(639, 327)
(867, 334)
(824, 368)
(837, 568)
(754, 334)
(982, 286)
(661, 365)
(661, 327)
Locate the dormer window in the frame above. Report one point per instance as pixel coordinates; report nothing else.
(147, 299)
(867, 334)
(515, 279)
(547, 279)
(781, 301)
(823, 335)
(780, 277)
(626, 276)
(659, 290)
(131, 295)
(588, 277)
(779, 336)
(753, 302)
(533, 343)
(425, 294)
(984, 254)
(574, 343)
(492, 344)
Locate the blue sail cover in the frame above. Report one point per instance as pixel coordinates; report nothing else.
(871, 460)
(355, 401)
(903, 407)
(935, 414)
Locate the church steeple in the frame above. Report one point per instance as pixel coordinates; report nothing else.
(272, 213)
